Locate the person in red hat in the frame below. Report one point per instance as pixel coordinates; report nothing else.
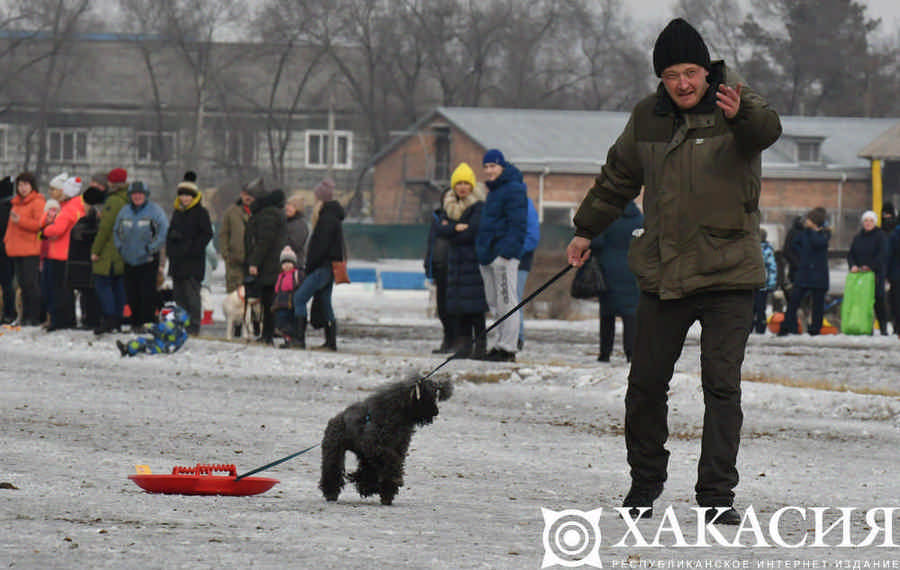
(107, 263)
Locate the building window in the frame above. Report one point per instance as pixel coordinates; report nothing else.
(157, 148)
(558, 213)
(317, 149)
(809, 151)
(240, 147)
(67, 146)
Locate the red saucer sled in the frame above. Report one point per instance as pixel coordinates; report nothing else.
(199, 480)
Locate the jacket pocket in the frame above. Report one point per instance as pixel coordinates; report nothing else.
(644, 261)
(720, 248)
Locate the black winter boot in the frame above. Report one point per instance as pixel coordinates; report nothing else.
(330, 336)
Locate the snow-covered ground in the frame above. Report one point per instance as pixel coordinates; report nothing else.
(821, 429)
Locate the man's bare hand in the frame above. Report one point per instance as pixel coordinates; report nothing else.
(578, 251)
(729, 100)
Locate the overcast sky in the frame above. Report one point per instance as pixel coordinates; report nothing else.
(661, 11)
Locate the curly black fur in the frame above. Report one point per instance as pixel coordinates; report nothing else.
(378, 430)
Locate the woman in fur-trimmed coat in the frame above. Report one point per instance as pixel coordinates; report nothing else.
(465, 302)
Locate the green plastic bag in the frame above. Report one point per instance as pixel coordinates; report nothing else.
(857, 308)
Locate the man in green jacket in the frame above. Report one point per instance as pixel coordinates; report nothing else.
(695, 148)
(107, 264)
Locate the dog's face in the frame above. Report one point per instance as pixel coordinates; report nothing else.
(423, 398)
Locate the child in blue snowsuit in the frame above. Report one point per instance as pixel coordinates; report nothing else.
(168, 334)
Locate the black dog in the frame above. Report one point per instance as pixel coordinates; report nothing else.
(378, 430)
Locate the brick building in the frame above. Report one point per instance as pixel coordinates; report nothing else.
(815, 163)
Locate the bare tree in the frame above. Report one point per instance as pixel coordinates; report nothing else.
(50, 59)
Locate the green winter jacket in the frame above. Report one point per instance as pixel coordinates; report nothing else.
(110, 262)
(701, 178)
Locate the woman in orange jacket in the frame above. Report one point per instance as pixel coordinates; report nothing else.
(23, 246)
(58, 298)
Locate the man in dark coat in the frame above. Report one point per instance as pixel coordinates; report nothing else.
(811, 277)
(610, 250)
(7, 189)
(79, 269)
(695, 149)
(264, 239)
(189, 232)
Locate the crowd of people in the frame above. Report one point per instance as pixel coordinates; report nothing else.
(98, 244)
(480, 250)
(105, 245)
(806, 269)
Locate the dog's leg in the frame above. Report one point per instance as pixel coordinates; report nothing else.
(333, 452)
(391, 476)
(366, 476)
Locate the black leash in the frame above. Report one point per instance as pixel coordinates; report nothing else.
(456, 354)
(524, 302)
(276, 462)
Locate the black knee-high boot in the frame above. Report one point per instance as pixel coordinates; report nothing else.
(330, 336)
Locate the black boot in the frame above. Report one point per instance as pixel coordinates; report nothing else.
(330, 336)
(299, 338)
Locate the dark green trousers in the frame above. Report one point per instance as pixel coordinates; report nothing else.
(661, 330)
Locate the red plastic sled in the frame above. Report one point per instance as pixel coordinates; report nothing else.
(200, 480)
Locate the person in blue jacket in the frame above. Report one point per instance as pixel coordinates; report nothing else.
(499, 246)
(868, 252)
(532, 237)
(139, 234)
(811, 277)
(610, 250)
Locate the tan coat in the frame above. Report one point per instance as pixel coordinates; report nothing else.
(231, 234)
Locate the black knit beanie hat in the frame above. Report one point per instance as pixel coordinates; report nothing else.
(679, 42)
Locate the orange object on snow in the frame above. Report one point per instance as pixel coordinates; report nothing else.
(199, 480)
(775, 323)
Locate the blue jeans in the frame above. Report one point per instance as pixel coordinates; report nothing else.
(111, 294)
(319, 283)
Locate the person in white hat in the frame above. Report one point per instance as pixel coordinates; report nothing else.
(869, 252)
(59, 298)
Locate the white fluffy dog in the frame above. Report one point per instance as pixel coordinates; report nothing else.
(241, 311)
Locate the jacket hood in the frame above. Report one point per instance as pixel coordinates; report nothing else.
(31, 197)
(510, 174)
(194, 202)
(275, 199)
(334, 208)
